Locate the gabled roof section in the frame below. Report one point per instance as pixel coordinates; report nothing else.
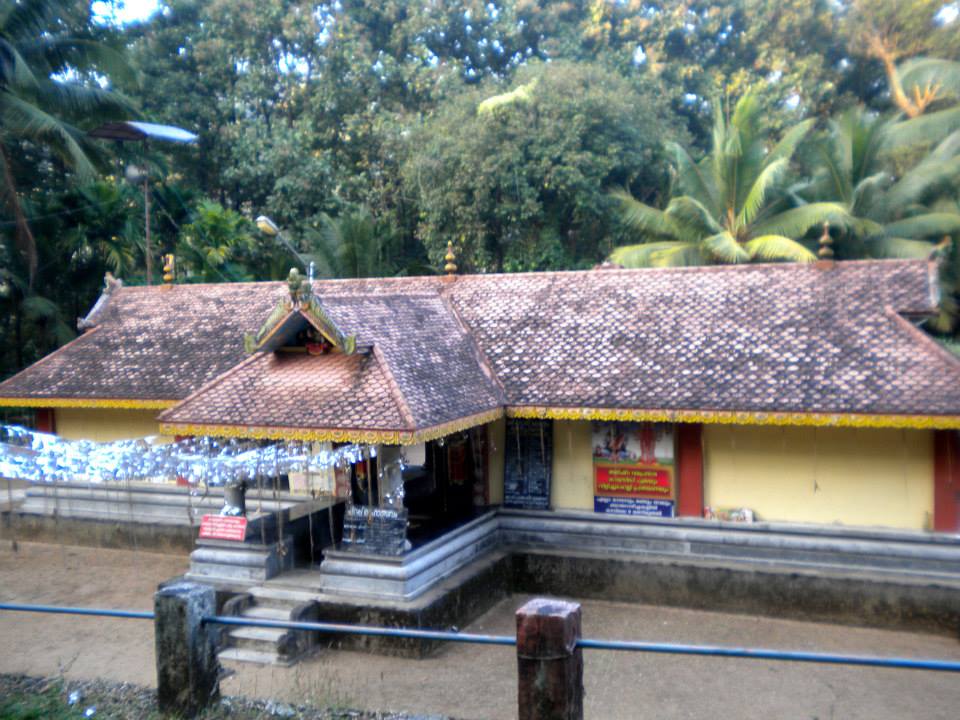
(291, 315)
(420, 380)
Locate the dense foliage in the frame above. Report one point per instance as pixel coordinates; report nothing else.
(532, 134)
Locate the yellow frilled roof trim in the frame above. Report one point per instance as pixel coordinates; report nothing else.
(117, 403)
(724, 417)
(367, 437)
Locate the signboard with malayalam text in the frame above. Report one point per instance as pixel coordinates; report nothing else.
(223, 527)
(633, 469)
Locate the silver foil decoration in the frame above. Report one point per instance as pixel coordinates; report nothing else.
(41, 457)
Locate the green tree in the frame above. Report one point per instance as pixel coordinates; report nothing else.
(726, 209)
(516, 176)
(351, 245)
(216, 246)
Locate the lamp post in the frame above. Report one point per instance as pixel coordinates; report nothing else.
(142, 132)
(269, 227)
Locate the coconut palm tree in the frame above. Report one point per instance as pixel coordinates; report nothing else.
(894, 212)
(350, 245)
(927, 93)
(45, 50)
(726, 210)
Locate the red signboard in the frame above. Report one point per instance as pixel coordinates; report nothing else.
(223, 527)
(632, 481)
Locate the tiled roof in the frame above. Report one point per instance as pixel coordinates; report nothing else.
(422, 372)
(297, 390)
(151, 343)
(754, 338)
(777, 338)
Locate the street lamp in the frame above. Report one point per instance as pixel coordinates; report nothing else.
(142, 132)
(269, 227)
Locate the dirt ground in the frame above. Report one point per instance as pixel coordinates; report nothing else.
(471, 681)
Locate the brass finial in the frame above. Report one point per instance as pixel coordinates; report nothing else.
(451, 267)
(169, 263)
(826, 244)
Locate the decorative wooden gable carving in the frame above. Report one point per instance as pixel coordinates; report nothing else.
(300, 316)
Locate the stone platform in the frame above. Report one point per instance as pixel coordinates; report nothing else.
(856, 576)
(157, 516)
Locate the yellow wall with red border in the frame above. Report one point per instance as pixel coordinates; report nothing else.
(105, 424)
(849, 476)
(852, 476)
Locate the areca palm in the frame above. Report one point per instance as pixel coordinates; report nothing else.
(894, 213)
(727, 211)
(42, 43)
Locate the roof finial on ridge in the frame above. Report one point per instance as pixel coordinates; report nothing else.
(825, 253)
(451, 267)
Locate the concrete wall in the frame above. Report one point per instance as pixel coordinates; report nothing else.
(572, 465)
(823, 475)
(496, 438)
(103, 424)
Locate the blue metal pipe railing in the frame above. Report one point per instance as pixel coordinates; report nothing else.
(97, 612)
(585, 643)
(767, 654)
(406, 633)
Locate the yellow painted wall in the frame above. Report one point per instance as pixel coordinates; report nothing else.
(104, 424)
(572, 487)
(853, 476)
(495, 454)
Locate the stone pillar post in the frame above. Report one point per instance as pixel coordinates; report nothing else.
(549, 662)
(187, 665)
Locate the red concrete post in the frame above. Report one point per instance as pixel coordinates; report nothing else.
(946, 481)
(689, 470)
(45, 420)
(550, 663)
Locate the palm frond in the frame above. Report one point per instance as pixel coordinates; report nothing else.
(795, 222)
(921, 73)
(693, 180)
(940, 166)
(778, 247)
(928, 225)
(725, 248)
(769, 177)
(81, 54)
(689, 215)
(656, 254)
(895, 247)
(867, 192)
(14, 70)
(642, 218)
(28, 120)
(787, 146)
(927, 128)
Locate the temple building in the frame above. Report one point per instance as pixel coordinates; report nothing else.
(772, 393)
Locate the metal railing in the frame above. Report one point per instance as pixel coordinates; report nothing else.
(938, 665)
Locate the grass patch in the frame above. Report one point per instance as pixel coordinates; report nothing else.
(45, 705)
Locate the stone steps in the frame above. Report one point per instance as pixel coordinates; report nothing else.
(268, 596)
(258, 657)
(266, 645)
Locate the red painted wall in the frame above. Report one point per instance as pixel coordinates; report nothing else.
(690, 470)
(946, 481)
